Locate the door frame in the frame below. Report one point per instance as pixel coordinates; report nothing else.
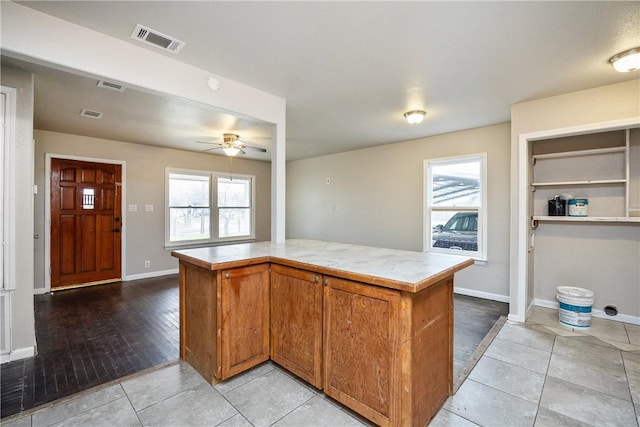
(9, 188)
(522, 292)
(47, 211)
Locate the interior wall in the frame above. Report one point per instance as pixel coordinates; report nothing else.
(591, 251)
(374, 197)
(34, 36)
(145, 185)
(22, 318)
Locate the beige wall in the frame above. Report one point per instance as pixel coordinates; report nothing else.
(144, 185)
(22, 318)
(605, 259)
(376, 198)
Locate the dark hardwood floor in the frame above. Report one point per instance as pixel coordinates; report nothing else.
(473, 318)
(90, 336)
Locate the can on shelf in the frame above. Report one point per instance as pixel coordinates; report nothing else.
(578, 207)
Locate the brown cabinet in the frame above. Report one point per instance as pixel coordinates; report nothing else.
(362, 363)
(296, 322)
(388, 354)
(245, 318)
(224, 319)
(381, 347)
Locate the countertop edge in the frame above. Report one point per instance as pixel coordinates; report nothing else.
(343, 274)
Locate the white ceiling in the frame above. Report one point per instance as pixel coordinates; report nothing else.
(348, 70)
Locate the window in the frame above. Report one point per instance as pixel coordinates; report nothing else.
(455, 205)
(234, 206)
(208, 207)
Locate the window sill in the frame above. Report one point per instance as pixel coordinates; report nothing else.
(478, 260)
(175, 247)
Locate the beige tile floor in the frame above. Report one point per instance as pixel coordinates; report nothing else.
(537, 374)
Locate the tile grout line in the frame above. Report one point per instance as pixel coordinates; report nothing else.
(546, 376)
(633, 404)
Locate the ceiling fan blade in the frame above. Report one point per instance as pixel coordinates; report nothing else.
(245, 144)
(250, 147)
(209, 142)
(211, 149)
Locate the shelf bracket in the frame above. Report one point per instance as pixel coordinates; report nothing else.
(534, 223)
(533, 161)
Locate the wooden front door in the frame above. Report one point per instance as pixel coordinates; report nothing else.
(86, 223)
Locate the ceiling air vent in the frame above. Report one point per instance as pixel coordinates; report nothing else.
(157, 39)
(91, 113)
(110, 85)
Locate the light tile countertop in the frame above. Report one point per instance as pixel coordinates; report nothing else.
(397, 269)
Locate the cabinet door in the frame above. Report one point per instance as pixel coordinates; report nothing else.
(244, 300)
(296, 322)
(362, 361)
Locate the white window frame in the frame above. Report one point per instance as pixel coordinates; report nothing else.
(481, 253)
(213, 209)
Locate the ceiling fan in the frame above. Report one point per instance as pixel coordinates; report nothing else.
(232, 145)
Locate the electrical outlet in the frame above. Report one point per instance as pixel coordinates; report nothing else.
(147, 264)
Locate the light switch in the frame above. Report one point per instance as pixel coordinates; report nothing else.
(133, 208)
(148, 208)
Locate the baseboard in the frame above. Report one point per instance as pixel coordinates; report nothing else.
(18, 354)
(39, 291)
(480, 294)
(150, 274)
(625, 318)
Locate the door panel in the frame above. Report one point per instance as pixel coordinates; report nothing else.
(361, 349)
(89, 242)
(67, 241)
(106, 246)
(296, 322)
(244, 335)
(85, 222)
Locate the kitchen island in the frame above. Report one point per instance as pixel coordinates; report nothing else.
(371, 327)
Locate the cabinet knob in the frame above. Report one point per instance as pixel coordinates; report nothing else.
(325, 282)
(316, 279)
(227, 275)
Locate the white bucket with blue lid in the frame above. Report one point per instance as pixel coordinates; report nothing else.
(575, 306)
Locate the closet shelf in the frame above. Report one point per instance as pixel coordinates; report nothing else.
(625, 219)
(566, 183)
(579, 153)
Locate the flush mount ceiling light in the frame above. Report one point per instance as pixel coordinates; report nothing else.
(415, 116)
(626, 61)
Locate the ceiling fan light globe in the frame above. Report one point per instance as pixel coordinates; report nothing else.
(231, 151)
